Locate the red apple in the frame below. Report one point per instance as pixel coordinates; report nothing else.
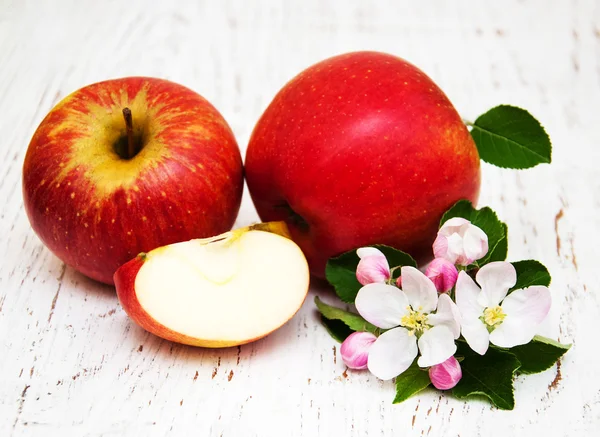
(123, 166)
(359, 149)
(216, 292)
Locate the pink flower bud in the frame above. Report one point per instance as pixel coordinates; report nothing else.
(355, 349)
(446, 375)
(440, 247)
(372, 267)
(399, 282)
(443, 274)
(460, 242)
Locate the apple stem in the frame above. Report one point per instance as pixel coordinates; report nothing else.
(129, 128)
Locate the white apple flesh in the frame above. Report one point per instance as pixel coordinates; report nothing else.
(217, 292)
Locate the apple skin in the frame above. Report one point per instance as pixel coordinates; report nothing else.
(359, 149)
(96, 210)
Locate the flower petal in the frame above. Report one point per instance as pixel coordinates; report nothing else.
(369, 251)
(495, 279)
(477, 336)
(452, 226)
(525, 310)
(373, 268)
(475, 243)
(466, 298)
(440, 246)
(510, 333)
(381, 304)
(456, 252)
(531, 305)
(436, 346)
(392, 353)
(419, 290)
(447, 315)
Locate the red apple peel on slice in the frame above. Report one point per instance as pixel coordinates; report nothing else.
(221, 291)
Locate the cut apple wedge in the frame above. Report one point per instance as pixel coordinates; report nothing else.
(217, 292)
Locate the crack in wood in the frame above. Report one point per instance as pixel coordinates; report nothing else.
(573, 256)
(558, 217)
(108, 314)
(20, 408)
(53, 305)
(556, 381)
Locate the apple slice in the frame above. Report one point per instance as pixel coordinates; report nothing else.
(222, 291)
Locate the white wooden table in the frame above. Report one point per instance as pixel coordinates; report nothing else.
(72, 363)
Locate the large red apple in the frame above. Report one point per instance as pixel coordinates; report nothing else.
(359, 149)
(124, 166)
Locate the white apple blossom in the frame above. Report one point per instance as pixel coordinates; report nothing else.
(417, 321)
(372, 267)
(460, 242)
(488, 314)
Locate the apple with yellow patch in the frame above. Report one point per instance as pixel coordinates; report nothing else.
(217, 292)
(127, 165)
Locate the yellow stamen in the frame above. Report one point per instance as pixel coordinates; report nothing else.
(414, 321)
(493, 315)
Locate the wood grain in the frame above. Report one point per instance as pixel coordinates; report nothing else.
(71, 363)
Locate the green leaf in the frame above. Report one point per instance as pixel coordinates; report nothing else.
(500, 251)
(538, 355)
(341, 271)
(411, 381)
(336, 328)
(352, 320)
(530, 272)
(510, 137)
(490, 375)
(396, 258)
(486, 219)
